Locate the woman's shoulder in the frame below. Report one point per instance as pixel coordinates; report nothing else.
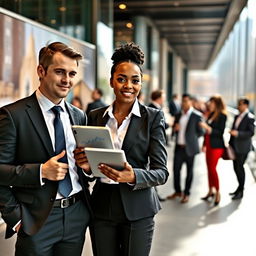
(223, 115)
(98, 111)
(149, 110)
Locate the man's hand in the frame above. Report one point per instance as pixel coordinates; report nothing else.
(176, 127)
(54, 170)
(234, 133)
(81, 160)
(126, 175)
(205, 126)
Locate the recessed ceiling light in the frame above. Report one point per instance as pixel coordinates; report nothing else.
(129, 25)
(122, 6)
(62, 8)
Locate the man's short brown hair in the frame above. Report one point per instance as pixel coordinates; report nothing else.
(47, 52)
(156, 94)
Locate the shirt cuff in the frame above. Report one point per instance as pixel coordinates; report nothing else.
(41, 179)
(131, 184)
(88, 175)
(14, 228)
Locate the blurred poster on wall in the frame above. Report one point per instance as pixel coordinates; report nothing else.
(20, 42)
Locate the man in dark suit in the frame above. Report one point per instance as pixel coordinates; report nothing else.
(187, 130)
(241, 141)
(97, 101)
(174, 106)
(36, 163)
(157, 102)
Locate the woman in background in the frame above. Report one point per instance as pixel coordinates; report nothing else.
(125, 202)
(214, 143)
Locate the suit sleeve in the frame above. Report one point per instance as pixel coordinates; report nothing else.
(11, 174)
(249, 132)
(26, 175)
(199, 129)
(157, 172)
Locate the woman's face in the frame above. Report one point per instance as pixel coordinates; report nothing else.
(126, 82)
(212, 106)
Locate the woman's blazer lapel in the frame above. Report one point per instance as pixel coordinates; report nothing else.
(134, 127)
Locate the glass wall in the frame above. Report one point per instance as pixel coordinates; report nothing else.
(233, 74)
(68, 16)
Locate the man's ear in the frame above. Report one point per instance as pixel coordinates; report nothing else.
(40, 71)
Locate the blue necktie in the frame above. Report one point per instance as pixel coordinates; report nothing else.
(65, 185)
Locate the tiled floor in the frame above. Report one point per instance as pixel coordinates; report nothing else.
(197, 228)
(200, 229)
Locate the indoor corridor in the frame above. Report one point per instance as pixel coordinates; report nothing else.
(197, 228)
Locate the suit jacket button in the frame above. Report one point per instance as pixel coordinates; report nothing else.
(52, 199)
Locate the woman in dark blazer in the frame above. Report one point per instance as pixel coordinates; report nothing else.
(214, 143)
(125, 202)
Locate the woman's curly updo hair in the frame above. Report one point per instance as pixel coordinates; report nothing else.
(127, 53)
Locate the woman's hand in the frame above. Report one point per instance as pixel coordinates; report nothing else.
(81, 160)
(126, 175)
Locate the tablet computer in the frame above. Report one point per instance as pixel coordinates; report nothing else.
(114, 158)
(92, 136)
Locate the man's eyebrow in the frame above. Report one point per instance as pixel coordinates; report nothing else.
(62, 69)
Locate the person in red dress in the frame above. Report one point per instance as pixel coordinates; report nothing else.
(214, 144)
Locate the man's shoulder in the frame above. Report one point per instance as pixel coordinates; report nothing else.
(251, 115)
(196, 113)
(20, 104)
(74, 108)
(98, 111)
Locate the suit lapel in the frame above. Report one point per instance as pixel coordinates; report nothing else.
(133, 129)
(234, 123)
(103, 120)
(37, 119)
(189, 121)
(100, 119)
(242, 121)
(74, 118)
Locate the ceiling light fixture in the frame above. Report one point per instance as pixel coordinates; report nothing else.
(62, 8)
(122, 6)
(129, 25)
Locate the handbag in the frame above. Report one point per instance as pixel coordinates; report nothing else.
(229, 153)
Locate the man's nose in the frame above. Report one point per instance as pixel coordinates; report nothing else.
(65, 79)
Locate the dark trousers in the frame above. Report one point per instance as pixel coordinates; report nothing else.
(238, 165)
(180, 157)
(63, 234)
(113, 234)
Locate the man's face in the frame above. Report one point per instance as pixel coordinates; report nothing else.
(186, 103)
(95, 95)
(241, 106)
(57, 80)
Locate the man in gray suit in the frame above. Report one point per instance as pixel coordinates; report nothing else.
(241, 141)
(43, 194)
(187, 130)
